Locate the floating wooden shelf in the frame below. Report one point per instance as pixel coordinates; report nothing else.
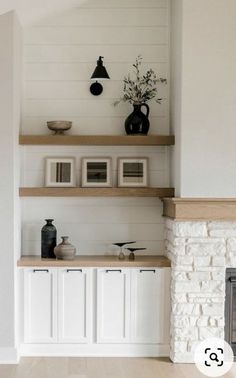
(96, 192)
(98, 140)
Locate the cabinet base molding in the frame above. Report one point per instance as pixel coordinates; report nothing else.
(94, 350)
(9, 356)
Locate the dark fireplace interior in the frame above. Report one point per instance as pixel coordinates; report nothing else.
(230, 308)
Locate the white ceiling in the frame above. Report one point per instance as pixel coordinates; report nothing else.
(31, 11)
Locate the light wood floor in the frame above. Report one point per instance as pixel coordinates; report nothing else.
(101, 368)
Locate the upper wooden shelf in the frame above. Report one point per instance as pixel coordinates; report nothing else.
(96, 192)
(98, 140)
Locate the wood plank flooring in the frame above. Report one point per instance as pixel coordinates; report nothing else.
(55, 367)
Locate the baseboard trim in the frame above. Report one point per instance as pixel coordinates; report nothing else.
(95, 350)
(9, 356)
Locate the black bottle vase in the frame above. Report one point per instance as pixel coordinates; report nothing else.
(48, 240)
(137, 122)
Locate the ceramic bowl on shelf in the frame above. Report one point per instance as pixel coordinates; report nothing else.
(59, 126)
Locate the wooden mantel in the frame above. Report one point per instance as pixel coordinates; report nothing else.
(196, 209)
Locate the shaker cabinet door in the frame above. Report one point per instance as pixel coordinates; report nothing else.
(113, 305)
(74, 305)
(40, 296)
(150, 300)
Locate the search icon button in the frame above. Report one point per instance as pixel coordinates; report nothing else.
(213, 357)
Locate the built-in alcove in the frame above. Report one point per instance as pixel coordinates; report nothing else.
(59, 55)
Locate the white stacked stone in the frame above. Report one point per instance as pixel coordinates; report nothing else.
(200, 253)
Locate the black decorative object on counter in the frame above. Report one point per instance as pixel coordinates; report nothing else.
(137, 122)
(120, 245)
(48, 240)
(132, 250)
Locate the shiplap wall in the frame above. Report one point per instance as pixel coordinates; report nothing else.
(60, 55)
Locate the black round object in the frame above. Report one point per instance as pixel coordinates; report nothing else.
(96, 88)
(137, 122)
(48, 240)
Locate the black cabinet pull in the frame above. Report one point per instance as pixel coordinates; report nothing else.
(147, 270)
(74, 270)
(232, 279)
(41, 270)
(113, 270)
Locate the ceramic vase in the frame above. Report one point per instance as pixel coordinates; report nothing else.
(65, 250)
(48, 239)
(137, 122)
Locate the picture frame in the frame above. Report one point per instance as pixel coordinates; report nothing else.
(96, 172)
(60, 172)
(133, 172)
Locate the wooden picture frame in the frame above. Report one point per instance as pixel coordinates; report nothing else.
(96, 172)
(133, 172)
(60, 172)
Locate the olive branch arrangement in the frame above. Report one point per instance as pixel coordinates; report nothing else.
(142, 88)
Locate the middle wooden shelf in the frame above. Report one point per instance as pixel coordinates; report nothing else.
(96, 192)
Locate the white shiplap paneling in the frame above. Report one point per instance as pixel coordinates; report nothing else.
(89, 124)
(81, 71)
(97, 107)
(87, 54)
(114, 17)
(111, 4)
(60, 54)
(94, 224)
(73, 90)
(33, 161)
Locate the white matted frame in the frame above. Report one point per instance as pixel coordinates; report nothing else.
(60, 172)
(133, 172)
(96, 172)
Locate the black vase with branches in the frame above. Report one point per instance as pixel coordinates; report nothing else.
(138, 92)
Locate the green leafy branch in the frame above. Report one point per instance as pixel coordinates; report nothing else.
(141, 88)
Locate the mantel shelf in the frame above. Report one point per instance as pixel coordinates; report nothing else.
(98, 140)
(96, 192)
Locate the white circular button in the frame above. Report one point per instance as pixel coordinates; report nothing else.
(213, 357)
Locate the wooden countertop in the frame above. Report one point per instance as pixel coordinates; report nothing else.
(95, 261)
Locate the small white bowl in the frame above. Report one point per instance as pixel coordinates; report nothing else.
(59, 126)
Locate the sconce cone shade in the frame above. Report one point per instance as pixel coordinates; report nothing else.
(100, 71)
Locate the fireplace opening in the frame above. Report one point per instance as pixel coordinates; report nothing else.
(230, 308)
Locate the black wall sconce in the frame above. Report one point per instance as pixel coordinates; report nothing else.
(100, 73)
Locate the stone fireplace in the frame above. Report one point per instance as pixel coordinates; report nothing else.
(200, 240)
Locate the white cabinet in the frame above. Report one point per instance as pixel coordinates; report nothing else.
(133, 305)
(57, 305)
(74, 305)
(113, 305)
(128, 306)
(40, 305)
(150, 301)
